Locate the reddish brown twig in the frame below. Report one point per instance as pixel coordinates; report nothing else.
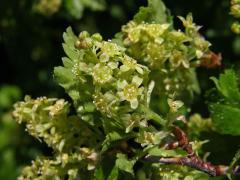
(192, 160)
(211, 60)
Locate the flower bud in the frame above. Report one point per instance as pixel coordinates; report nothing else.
(97, 37)
(235, 10)
(236, 27)
(83, 35)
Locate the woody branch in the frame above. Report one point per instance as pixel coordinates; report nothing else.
(191, 160)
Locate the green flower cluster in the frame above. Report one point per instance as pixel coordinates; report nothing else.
(71, 140)
(47, 119)
(170, 54)
(197, 124)
(48, 7)
(102, 78)
(235, 12)
(113, 85)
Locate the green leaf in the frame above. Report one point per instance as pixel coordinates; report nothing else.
(113, 174)
(110, 126)
(69, 37)
(166, 153)
(112, 138)
(71, 52)
(98, 175)
(75, 8)
(142, 15)
(8, 94)
(67, 62)
(234, 160)
(64, 77)
(155, 12)
(68, 45)
(152, 115)
(233, 165)
(124, 164)
(97, 5)
(227, 85)
(226, 119)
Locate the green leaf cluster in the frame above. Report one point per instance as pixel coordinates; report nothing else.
(225, 112)
(155, 12)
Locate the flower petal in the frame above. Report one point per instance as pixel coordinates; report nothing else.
(137, 81)
(104, 57)
(124, 68)
(139, 69)
(121, 84)
(113, 65)
(121, 96)
(134, 103)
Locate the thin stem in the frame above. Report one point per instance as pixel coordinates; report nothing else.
(152, 115)
(193, 162)
(233, 163)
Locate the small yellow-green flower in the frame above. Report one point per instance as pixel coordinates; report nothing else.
(135, 32)
(236, 27)
(130, 64)
(191, 28)
(130, 92)
(235, 10)
(201, 46)
(111, 49)
(48, 7)
(178, 58)
(188, 21)
(174, 105)
(102, 73)
(105, 103)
